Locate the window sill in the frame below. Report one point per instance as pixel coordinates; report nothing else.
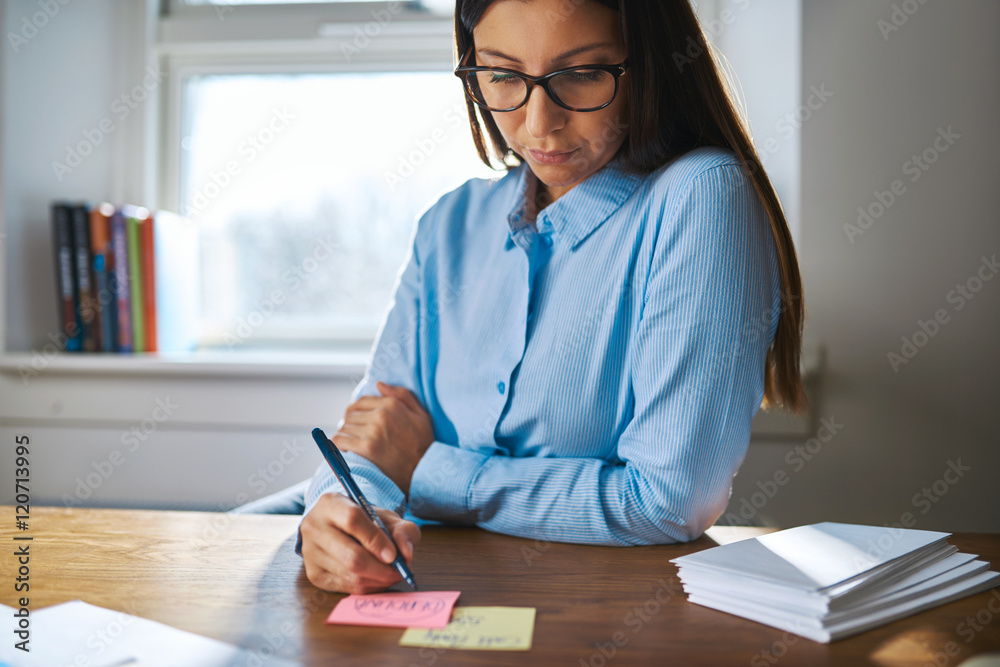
(349, 362)
(269, 366)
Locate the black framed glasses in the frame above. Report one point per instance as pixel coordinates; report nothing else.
(581, 88)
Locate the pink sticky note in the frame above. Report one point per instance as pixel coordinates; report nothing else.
(426, 609)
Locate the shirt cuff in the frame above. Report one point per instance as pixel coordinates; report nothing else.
(374, 484)
(442, 483)
(377, 487)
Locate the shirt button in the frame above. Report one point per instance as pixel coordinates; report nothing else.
(501, 386)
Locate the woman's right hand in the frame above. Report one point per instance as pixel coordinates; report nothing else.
(344, 552)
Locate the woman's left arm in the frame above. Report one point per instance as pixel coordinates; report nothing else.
(697, 371)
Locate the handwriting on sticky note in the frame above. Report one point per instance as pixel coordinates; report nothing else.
(479, 628)
(427, 609)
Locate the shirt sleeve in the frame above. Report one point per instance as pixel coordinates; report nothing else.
(697, 376)
(394, 360)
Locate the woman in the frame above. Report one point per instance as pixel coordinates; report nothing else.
(575, 351)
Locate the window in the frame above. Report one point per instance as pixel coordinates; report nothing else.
(306, 172)
(306, 188)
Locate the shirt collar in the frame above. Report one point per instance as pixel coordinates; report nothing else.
(575, 215)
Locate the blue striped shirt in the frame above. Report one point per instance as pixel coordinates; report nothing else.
(591, 376)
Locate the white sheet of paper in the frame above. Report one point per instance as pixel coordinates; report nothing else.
(75, 633)
(812, 557)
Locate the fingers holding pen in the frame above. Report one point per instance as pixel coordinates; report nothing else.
(344, 551)
(405, 534)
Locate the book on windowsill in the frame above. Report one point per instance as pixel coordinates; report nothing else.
(828, 581)
(127, 278)
(66, 276)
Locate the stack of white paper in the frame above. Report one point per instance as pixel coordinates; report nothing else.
(832, 580)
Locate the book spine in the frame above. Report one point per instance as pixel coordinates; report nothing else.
(87, 315)
(148, 282)
(95, 279)
(100, 248)
(62, 243)
(135, 283)
(102, 279)
(123, 298)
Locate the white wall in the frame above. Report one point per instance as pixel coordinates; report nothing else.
(151, 439)
(57, 85)
(761, 43)
(900, 429)
(3, 201)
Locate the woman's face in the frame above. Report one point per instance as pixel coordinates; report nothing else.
(534, 37)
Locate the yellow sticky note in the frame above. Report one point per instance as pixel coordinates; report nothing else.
(479, 628)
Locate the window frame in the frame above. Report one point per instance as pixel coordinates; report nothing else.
(287, 39)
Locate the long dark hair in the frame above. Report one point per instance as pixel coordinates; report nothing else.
(678, 102)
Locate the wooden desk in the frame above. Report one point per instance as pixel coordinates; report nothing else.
(236, 578)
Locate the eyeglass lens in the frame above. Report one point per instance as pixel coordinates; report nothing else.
(581, 89)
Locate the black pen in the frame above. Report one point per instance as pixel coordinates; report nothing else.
(343, 473)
